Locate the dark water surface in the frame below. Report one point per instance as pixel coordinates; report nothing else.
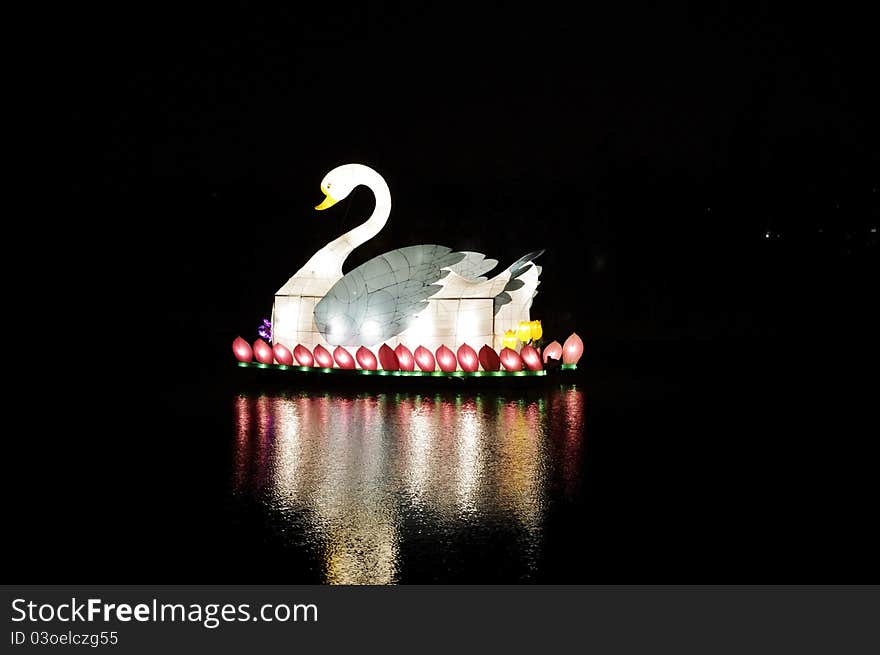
(726, 462)
(386, 487)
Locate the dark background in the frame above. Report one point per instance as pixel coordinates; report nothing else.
(699, 171)
(705, 180)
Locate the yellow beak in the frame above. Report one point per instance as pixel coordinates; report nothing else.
(328, 201)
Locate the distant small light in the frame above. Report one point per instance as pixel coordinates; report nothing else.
(873, 230)
(767, 235)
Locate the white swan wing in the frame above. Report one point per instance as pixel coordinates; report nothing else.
(521, 284)
(474, 266)
(380, 298)
(510, 285)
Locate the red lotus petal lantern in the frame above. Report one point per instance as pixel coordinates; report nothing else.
(343, 358)
(572, 349)
(322, 356)
(282, 354)
(531, 358)
(467, 358)
(242, 350)
(446, 359)
(424, 359)
(366, 359)
(388, 359)
(510, 360)
(489, 359)
(263, 352)
(552, 350)
(404, 358)
(304, 357)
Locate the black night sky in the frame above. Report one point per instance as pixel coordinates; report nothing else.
(684, 168)
(705, 180)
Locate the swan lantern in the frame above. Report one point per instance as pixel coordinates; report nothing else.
(424, 295)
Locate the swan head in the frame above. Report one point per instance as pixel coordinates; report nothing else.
(339, 182)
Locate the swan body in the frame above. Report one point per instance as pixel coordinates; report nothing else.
(424, 295)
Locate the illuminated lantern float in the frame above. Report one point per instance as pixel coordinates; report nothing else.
(489, 359)
(388, 359)
(304, 357)
(531, 358)
(467, 358)
(282, 355)
(343, 358)
(510, 360)
(405, 305)
(509, 340)
(572, 350)
(366, 359)
(424, 359)
(263, 352)
(323, 358)
(446, 359)
(242, 349)
(553, 350)
(405, 359)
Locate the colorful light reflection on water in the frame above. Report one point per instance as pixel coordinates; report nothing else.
(368, 481)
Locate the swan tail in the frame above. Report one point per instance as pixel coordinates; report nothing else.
(521, 286)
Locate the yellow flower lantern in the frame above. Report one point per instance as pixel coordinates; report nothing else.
(529, 331)
(537, 330)
(509, 340)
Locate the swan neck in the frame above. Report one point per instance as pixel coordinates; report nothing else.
(344, 245)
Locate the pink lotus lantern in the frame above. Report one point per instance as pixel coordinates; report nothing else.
(446, 359)
(282, 354)
(322, 356)
(572, 349)
(388, 359)
(467, 358)
(489, 359)
(531, 358)
(263, 352)
(424, 359)
(304, 357)
(510, 360)
(405, 358)
(366, 359)
(552, 351)
(343, 358)
(242, 350)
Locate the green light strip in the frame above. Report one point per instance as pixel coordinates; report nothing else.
(437, 374)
